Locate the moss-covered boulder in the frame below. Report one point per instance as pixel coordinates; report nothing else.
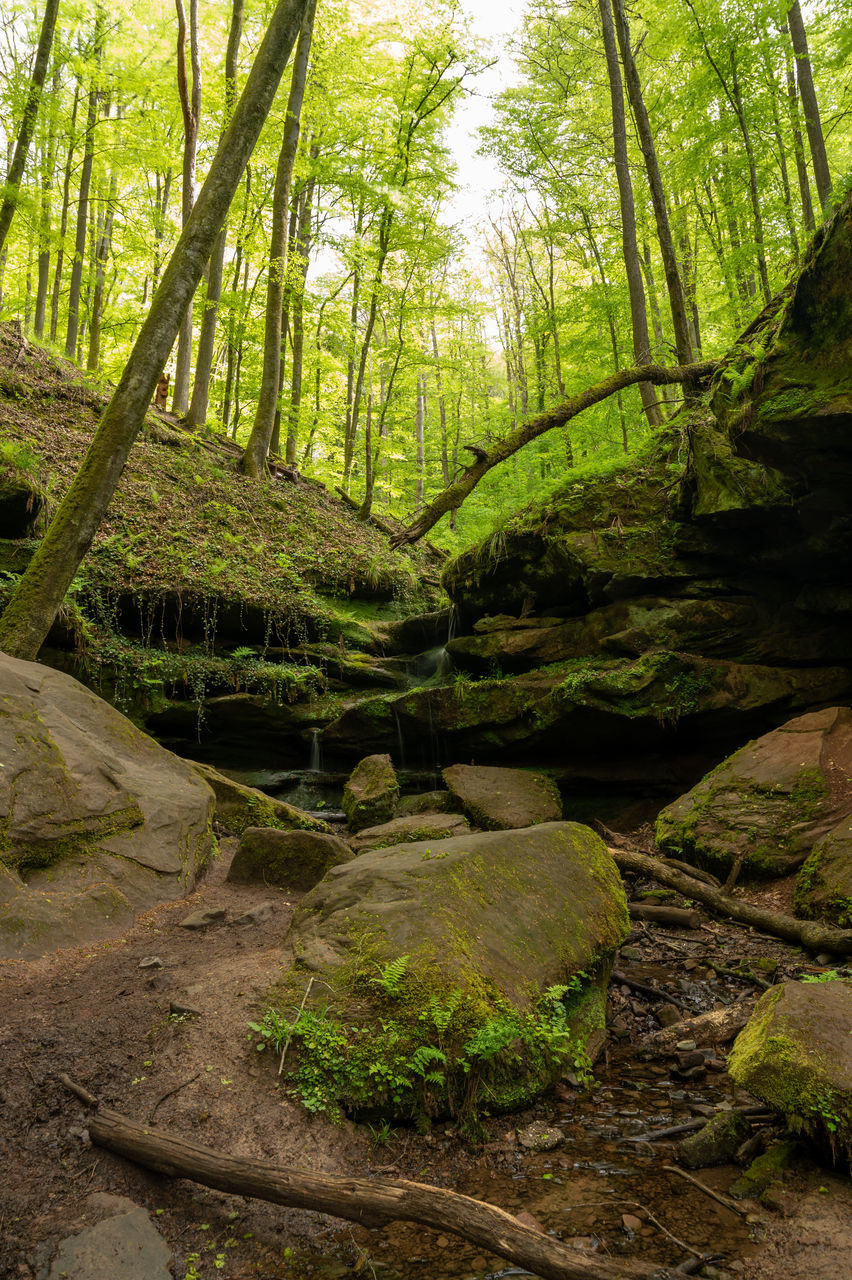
(795, 1054)
(500, 799)
(97, 821)
(425, 802)
(768, 804)
(371, 793)
(454, 977)
(407, 829)
(824, 883)
(717, 1142)
(297, 859)
(239, 806)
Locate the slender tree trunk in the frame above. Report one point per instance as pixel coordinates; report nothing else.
(420, 426)
(45, 210)
(641, 340)
(736, 98)
(809, 102)
(197, 414)
(257, 449)
(73, 327)
(297, 307)
(442, 406)
(286, 299)
(28, 121)
(367, 505)
(798, 146)
(231, 346)
(101, 255)
(677, 299)
(164, 189)
(63, 219)
(190, 104)
(42, 587)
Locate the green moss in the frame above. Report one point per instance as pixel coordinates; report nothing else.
(75, 838)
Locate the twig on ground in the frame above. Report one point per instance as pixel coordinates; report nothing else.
(724, 1201)
(168, 1094)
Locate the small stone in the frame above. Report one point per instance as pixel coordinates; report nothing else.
(667, 1015)
(183, 1010)
(630, 953)
(631, 1223)
(824, 957)
(442, 1242)
(151, 962)
(527, 1220)
(257, 915)
(201, 919)
(539, 1136)
(685, 1046)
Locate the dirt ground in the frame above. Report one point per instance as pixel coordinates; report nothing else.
(114, 1024)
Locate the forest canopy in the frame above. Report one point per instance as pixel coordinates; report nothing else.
(657, 173)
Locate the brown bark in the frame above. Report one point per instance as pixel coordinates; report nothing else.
(809, 102)
(812, 934)
(190, 103)
(39, 594)
(371, 1203)
(73, 326)
(454, 495)
(678, 917)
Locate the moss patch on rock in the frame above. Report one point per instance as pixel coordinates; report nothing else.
(239, 806)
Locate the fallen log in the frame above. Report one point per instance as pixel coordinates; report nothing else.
(812, 934)
(648, 989)
(368, 1203)
(677, 917)
(717, 1026)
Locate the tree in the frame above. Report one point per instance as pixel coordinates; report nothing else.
(42, 587)
(190, 105)
(28, 120)
(809, 101)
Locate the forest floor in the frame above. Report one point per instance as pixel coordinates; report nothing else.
(104, 1017)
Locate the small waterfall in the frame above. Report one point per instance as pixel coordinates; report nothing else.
(434, 662)
(452, 624)
(315, 765)
(400, 764)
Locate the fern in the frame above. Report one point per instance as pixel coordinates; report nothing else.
(391, 975)
(422, 1060)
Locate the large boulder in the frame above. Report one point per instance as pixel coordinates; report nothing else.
(98, 822)
(795, 1054)
(501, 799)
(239, 806)
(824, 884)
(297, 859)
(406, 829)
(465, 974)
(769, 803)
(371, 793)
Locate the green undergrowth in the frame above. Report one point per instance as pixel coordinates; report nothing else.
(392, 1040)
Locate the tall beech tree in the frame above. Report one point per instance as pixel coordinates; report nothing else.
(807, 92)
(189, 93)
(41, 590)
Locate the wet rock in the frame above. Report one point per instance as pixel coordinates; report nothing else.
(539, 1136)
(297, 859)
(667, 1015)
(503, 799)
(404, 830)
(239, 806)
(795, 1054)
(426, 802)
(203, 919)
(716, 1143)
(765, 1169)
(371, 793)
(768, 804)
(527, 1219)
(126, 1244)
(99, 822)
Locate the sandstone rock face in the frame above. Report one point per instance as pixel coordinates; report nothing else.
(297, 859)
(371, 793)
(470, 944)
(405, 830)
(824, 884)
(795, 1054)
(239, 806)
(501, 799)
(98, 822)
(769, 803)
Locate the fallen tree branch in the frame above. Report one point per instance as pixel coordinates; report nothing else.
(369, 1203)
(645, 988)
(677, 917)
(725, 1201)
(451, 498)
(812, 934)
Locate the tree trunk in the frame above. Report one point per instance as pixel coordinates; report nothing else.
(809, 102)
(197, 414)
(366, 1201)
(100, 259)
(63, 220)
(500, 450)
(73, 326)
(420, 423)
(677, 299)
(639, 318)
(190, 105)
(45, 202)
(39, 594)
(297, 309)
(257, 449)
(27, 126)
(798, 146)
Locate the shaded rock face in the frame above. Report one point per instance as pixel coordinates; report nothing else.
(371, 793)
(500, 799)
(767, 805)
(685, 602)
(297, 859)
(467, 942)
(239, 807)
(795, 1054)
(824, 884)
(97, 822)
(408, 828)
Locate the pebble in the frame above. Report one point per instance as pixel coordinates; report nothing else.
(201, 919)
(183, 1010)
(151, 962)
(685, 1046)
(258, 915)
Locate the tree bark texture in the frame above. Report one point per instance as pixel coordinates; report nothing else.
(807, 92)
(28, 121)
(42, 587)
(638, 314)
(190, 105)
(257, 448)
(454, 495)
(370, 1203)
(73, 325)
